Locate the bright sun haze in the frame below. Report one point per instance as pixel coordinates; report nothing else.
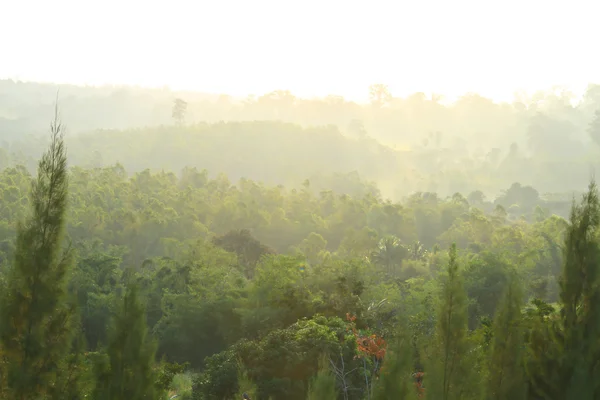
(310, 47)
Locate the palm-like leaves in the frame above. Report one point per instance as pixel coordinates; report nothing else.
(389, 253)
(417, 251)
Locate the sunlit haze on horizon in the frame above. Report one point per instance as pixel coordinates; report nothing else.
(310, 47)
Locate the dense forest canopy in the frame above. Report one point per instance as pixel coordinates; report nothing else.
(178, 244)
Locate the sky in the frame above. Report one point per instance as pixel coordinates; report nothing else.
(311, 47)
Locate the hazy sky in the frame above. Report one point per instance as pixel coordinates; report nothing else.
(312, 47)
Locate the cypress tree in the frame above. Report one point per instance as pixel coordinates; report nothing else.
(506, 373)
(35, 331)
(449, 370)
(126, 371)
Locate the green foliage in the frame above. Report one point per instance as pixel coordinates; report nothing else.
(323, 384)
(449, 366)
(580, 291)
(36, 327)
(289, 292)
(248, 249)
(283, 362)
(127, 371)
(182, 386)
(395, 378)
(74, 375)
(506, 375)
(166, 374)
(245, 384)
(219, 379)
(485, 281)
(566, 368)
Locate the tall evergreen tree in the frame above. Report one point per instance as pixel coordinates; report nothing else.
(505, 369)
(395, 380)
(579, 298)
(73, 381)
(448, 371)
(127, 370)
(35, 330)
(564, 358)
(543, 356)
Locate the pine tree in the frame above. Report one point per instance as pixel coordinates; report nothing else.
(322, 386)
(564, 351)
(73, 381)
(505, 369)
(395, 381)
(35, 331)
(544, 352)
(127, 372)
(449, 370)
(579, 298)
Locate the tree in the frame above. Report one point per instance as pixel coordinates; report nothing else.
(394, 380)
(323, 385)
(73, 382)
(167, 373)
(379, 94)
(179, 111)
(506, 373)
(449, 364)
(594, 128)
(579, 296)
(417, 251)
(35, 331)
(389, 253)
(246, 388)
(525, 196)
(248, 249)
(564, 349)
(127, 371)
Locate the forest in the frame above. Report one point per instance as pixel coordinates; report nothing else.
(421, 143)
(303, 260)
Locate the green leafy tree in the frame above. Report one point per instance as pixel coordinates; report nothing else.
(127, 371)
(248, 249)
(245, 385)
(36, 327)
(167, 373)
(219, 378)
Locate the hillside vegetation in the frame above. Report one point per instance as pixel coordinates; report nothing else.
(283, 261)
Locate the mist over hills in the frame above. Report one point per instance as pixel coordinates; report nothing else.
(403, 145)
